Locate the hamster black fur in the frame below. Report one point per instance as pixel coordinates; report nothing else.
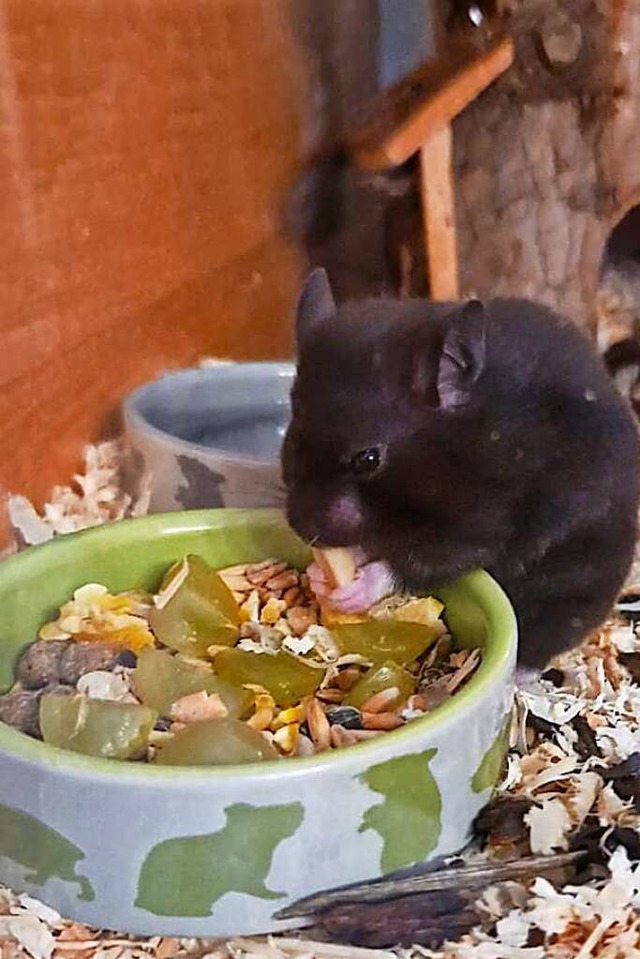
(442, 437)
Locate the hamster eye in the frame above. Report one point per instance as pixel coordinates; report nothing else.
(365, 461)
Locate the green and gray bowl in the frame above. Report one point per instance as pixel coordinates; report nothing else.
(217, 852)
(212, 436)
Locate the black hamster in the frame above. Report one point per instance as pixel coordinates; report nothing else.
(441, 437)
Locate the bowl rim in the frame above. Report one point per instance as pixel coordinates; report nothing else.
(136, 421)
(22, 747)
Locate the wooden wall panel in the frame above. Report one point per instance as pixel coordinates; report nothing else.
(147, 148)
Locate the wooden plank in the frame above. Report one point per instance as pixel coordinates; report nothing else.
(430, 878)
(438, 212)
(404, 117)
(432, 905)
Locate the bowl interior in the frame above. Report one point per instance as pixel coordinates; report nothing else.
(135, 553)
(241, 409)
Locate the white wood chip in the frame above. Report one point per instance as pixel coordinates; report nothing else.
(549, 826)
(31, 933)
(36, 908)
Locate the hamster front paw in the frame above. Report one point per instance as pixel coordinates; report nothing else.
(318, 581)
(372, 583)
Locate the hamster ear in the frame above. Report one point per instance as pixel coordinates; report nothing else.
(315, 303)
(463, 356)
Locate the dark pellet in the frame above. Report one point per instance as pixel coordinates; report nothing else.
(127, 658)
(85, 657)
(39, 664)
(21, 710)
(162, 725)
(346, 716)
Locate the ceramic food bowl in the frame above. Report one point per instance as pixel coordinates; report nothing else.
(211, 437)
(215, 852)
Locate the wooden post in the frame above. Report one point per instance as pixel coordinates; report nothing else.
(415, 115)
(438, 212)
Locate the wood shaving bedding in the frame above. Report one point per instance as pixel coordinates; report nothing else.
(572, 778)
(113, 486)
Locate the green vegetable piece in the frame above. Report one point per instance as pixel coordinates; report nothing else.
(95, 728)
(378, 678)
(215, 742)
(194, 609)
(379, 640)
(286, 677)
(160, 678)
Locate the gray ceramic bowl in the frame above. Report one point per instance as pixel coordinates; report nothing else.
(215, 852)
(211, 437)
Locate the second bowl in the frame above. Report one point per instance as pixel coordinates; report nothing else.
(211, 437)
